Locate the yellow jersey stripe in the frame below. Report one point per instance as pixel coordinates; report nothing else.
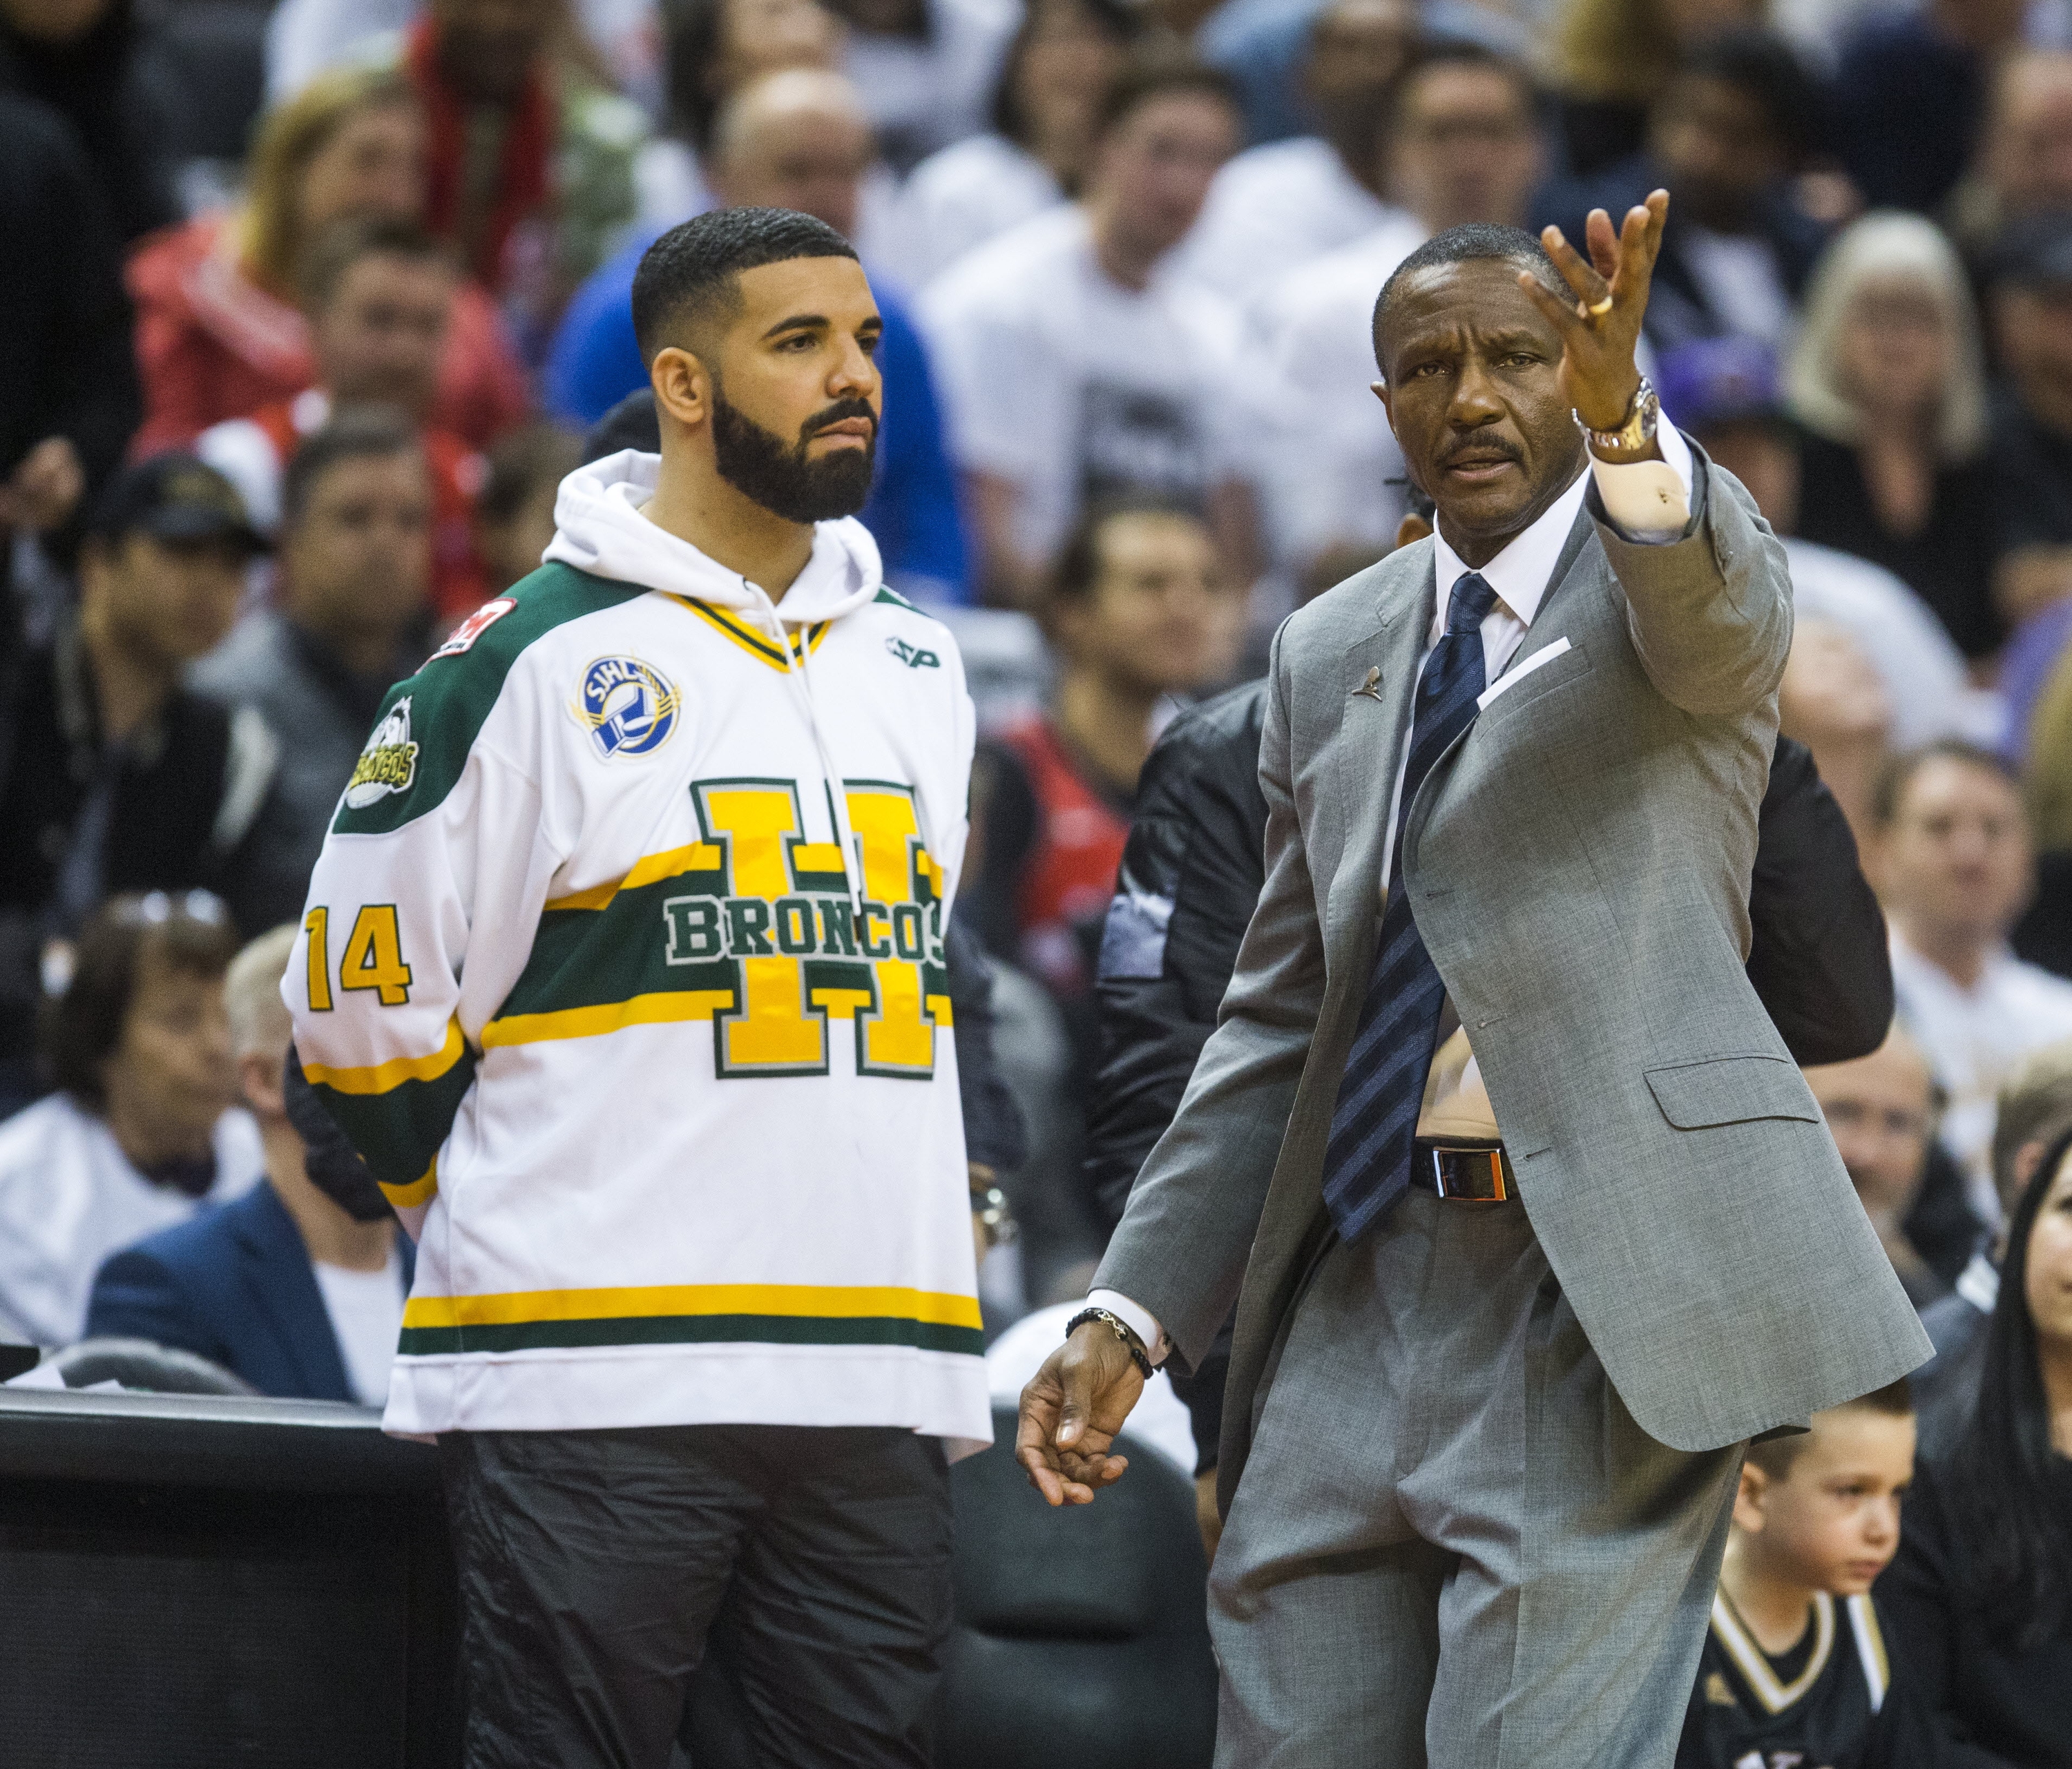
(661, 1008)
(752, 640)
(698, 857)
(417, 1191)
(800, 1301)
(385, 1078)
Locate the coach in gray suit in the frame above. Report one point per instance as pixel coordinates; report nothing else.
(1491, 1387)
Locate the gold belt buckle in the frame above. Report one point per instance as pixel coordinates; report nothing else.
(1467, 1172)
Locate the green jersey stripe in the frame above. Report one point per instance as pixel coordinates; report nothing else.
(693, 1330)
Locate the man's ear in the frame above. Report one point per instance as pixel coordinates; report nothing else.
(259, 1077)
(683, 386)
(1751, 1501)
(1381, 392)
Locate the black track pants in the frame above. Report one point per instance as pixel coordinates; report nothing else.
(592, 1564)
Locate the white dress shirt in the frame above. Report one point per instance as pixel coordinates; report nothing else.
(1520, 575)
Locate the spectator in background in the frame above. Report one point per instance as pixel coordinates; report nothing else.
(69, 395)
(514, 516)
(142, 1131)
(1076, 368)
(281, 1287)
(1060, 61)
(349, 618)
(712, 49)
(1981, 1597)
(2024, 164)
(1139, 610)
(81, 58)
(528, 165)
(2034, 1110)
(1952, 862)
(1613, 58)
(218, 331)
(1462, 145)
(1833, 701)
(1886, 377)
(796, 140)
(1880, 1110)
(378, 298)
(1723, 392)
(925, 68)
(114, 776)
(1909, 93)
(1275, 207)
(1727, 134)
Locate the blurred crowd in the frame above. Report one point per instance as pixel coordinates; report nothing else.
(310, 308)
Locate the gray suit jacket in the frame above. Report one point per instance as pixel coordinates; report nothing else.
(1579, 863)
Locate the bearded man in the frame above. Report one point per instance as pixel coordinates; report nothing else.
(623, 968)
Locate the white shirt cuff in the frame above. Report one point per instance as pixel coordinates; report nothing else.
(1139, 1321)
(1649, 501)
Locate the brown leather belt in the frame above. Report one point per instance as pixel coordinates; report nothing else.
(1468, 1172)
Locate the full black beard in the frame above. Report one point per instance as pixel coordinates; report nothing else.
(757, 464)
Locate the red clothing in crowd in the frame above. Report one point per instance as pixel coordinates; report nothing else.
(458, 472)
(211, 344)
(1068, 875)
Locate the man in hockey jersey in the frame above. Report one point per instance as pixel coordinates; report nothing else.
(1794, 1673)
(624, 968)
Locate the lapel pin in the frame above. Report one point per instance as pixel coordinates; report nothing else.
(1370, 688)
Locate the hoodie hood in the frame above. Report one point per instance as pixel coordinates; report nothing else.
(598, 528)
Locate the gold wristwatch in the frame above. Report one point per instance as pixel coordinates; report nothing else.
(1631, 436)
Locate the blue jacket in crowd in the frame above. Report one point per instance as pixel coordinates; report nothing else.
(594, 362)
(233, 1286)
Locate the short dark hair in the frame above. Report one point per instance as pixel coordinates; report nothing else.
(78, 1030)
(692, 273)
(1898, 774)
(1162, 70)
(1775, 1455)
(520, 462)
(1459, 52)
(1077, 568)
(360, 433)
(1469, 243)
(1761, 63)
(1118, 20)
(342, 244)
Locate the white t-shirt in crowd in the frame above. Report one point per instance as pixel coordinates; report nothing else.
(1330, 460)
(1271, 209)
(1923, 672)
(924, 93)
(366, 1310)
(956, 200)
(1068, 385)
(69, 1197)
(1973, 1040)
(1739, 274)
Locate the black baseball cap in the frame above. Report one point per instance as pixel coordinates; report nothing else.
(2034, 252)
(177, 498)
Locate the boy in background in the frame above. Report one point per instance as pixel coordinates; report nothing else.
(1794, 1670)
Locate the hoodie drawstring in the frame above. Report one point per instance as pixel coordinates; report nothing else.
(795, 672)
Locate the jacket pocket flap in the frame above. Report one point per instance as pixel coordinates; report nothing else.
(1731, 1090)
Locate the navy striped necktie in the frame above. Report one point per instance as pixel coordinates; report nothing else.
(1366, 1163)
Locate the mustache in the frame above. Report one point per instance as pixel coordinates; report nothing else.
(1493, 445)
(834, 414)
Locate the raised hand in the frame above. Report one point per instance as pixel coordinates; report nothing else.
(1602, 327)
(1071, 1412)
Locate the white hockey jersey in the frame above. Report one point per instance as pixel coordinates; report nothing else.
(623, 967)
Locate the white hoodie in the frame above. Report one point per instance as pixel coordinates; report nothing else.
(623, 967)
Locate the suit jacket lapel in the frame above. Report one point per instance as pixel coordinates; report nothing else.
(1378, 682)
(277, 1269)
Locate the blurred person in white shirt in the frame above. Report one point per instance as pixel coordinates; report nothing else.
(1953, 863)
(1276, 206)
(1045, 109)
(1075, 366)
(925, 68)
(142, 1132)
(1464, 146)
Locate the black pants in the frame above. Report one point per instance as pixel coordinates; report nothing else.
(593, 1564)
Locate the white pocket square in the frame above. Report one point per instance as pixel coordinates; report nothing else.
(1511, 678)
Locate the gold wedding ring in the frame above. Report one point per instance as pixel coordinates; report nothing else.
(1599, 308)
